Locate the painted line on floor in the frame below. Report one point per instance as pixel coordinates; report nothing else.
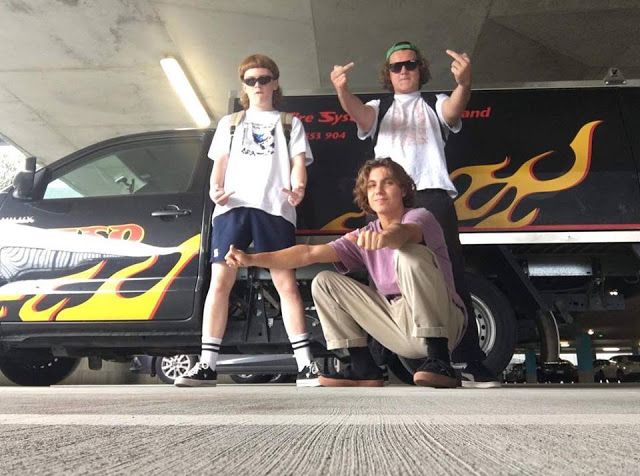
(323, 419)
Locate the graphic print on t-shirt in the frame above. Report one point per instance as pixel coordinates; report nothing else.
(412, 122)
(258, 140)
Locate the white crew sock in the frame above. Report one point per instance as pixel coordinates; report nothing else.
(210, 350)
(301, 349)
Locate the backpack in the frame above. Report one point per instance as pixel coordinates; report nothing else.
(286, 118)
(385, 104)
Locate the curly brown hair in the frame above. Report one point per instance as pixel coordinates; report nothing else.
(406, 183)
(423, 68)
(260, 61)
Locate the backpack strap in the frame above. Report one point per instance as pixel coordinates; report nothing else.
(431, 100)
(385, 104)
(236, 118)
(286, 118)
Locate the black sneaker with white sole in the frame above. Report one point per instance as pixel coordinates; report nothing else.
(200, 375)
(436, 373)
(477, 375)
(308, 376)
(347, 377)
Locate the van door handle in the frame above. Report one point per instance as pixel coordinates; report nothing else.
(171, 211)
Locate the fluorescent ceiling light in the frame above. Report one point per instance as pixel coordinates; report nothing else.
(185, 92)
(611, 349)
(564, 343)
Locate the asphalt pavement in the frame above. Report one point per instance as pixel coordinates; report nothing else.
(279, 429)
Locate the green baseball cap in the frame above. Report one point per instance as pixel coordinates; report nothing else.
(401, 45)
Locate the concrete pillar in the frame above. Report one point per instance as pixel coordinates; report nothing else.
(584, 352)
(531, 366)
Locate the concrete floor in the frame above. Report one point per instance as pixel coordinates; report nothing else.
(279, 429)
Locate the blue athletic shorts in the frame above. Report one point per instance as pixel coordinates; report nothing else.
(241, 226)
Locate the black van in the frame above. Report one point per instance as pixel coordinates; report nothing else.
(104, 253)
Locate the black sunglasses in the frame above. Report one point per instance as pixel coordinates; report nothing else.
(397, 67)
(251, 81)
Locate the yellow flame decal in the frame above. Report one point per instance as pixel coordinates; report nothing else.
(107, 303)
(29, 312)
(340, 223)
(523, 181)
(141, 307)
(11, 297)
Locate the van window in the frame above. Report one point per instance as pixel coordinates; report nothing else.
(152, 167)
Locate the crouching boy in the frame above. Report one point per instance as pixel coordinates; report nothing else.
(413, 310)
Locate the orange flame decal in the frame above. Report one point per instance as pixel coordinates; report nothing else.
(523, 181)
(3, 312)
(340, 223)
(127, 232)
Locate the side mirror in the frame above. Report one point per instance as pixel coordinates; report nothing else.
(23, 181)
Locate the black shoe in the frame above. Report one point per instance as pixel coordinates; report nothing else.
(200, 375)
(477, 375)
(308, 376)
(348, 378)
(436, 373)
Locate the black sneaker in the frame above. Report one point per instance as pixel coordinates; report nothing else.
(477, 375)
(346, 377)
(436, 373)
(308, 376)
(200, 375)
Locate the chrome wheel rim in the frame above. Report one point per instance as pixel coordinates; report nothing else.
(486, 322)
(175, 366)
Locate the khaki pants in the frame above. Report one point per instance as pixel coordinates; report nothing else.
(349, 310)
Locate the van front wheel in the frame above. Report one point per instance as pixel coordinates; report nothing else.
(41, 369)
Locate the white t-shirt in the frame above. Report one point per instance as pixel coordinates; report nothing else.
(410, 135)
(259, 165)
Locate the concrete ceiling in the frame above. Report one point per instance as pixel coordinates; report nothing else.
(73, 72)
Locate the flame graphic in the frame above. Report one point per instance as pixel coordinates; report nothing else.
(340, 223)
(127, 231)
(3, 312)
(523, 181)
(30, 313)
(107, 303)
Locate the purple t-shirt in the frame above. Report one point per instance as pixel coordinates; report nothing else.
(379, 263)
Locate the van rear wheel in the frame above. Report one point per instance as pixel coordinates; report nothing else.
(41, 369)
(496, 321)
(496, 324)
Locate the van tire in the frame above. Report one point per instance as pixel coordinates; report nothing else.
(38, 370)
(496, 321)
(251, 378)
(496, 330)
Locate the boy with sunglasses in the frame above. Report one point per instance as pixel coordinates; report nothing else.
(258, 178)
(412, 131)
